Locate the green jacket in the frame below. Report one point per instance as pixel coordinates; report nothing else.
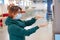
(16, 28)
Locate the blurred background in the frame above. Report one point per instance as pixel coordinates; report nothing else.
(35, 7)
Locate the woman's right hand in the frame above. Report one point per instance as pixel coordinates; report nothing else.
(38, 16)
(43, 25)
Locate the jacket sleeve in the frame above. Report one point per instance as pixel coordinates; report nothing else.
(30, 22)
(21, 31)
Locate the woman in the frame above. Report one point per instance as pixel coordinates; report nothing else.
(16, 25)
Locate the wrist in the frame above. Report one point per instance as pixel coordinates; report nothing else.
(35, 18)
(37, 27)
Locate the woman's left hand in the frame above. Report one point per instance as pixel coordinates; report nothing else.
(43, 25)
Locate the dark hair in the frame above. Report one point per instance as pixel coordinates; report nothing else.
(14, 9)
(10, 6)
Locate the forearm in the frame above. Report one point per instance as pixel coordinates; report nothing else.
(30, 22)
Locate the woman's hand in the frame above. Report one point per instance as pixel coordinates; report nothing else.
(38, 17)
(43, 25)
